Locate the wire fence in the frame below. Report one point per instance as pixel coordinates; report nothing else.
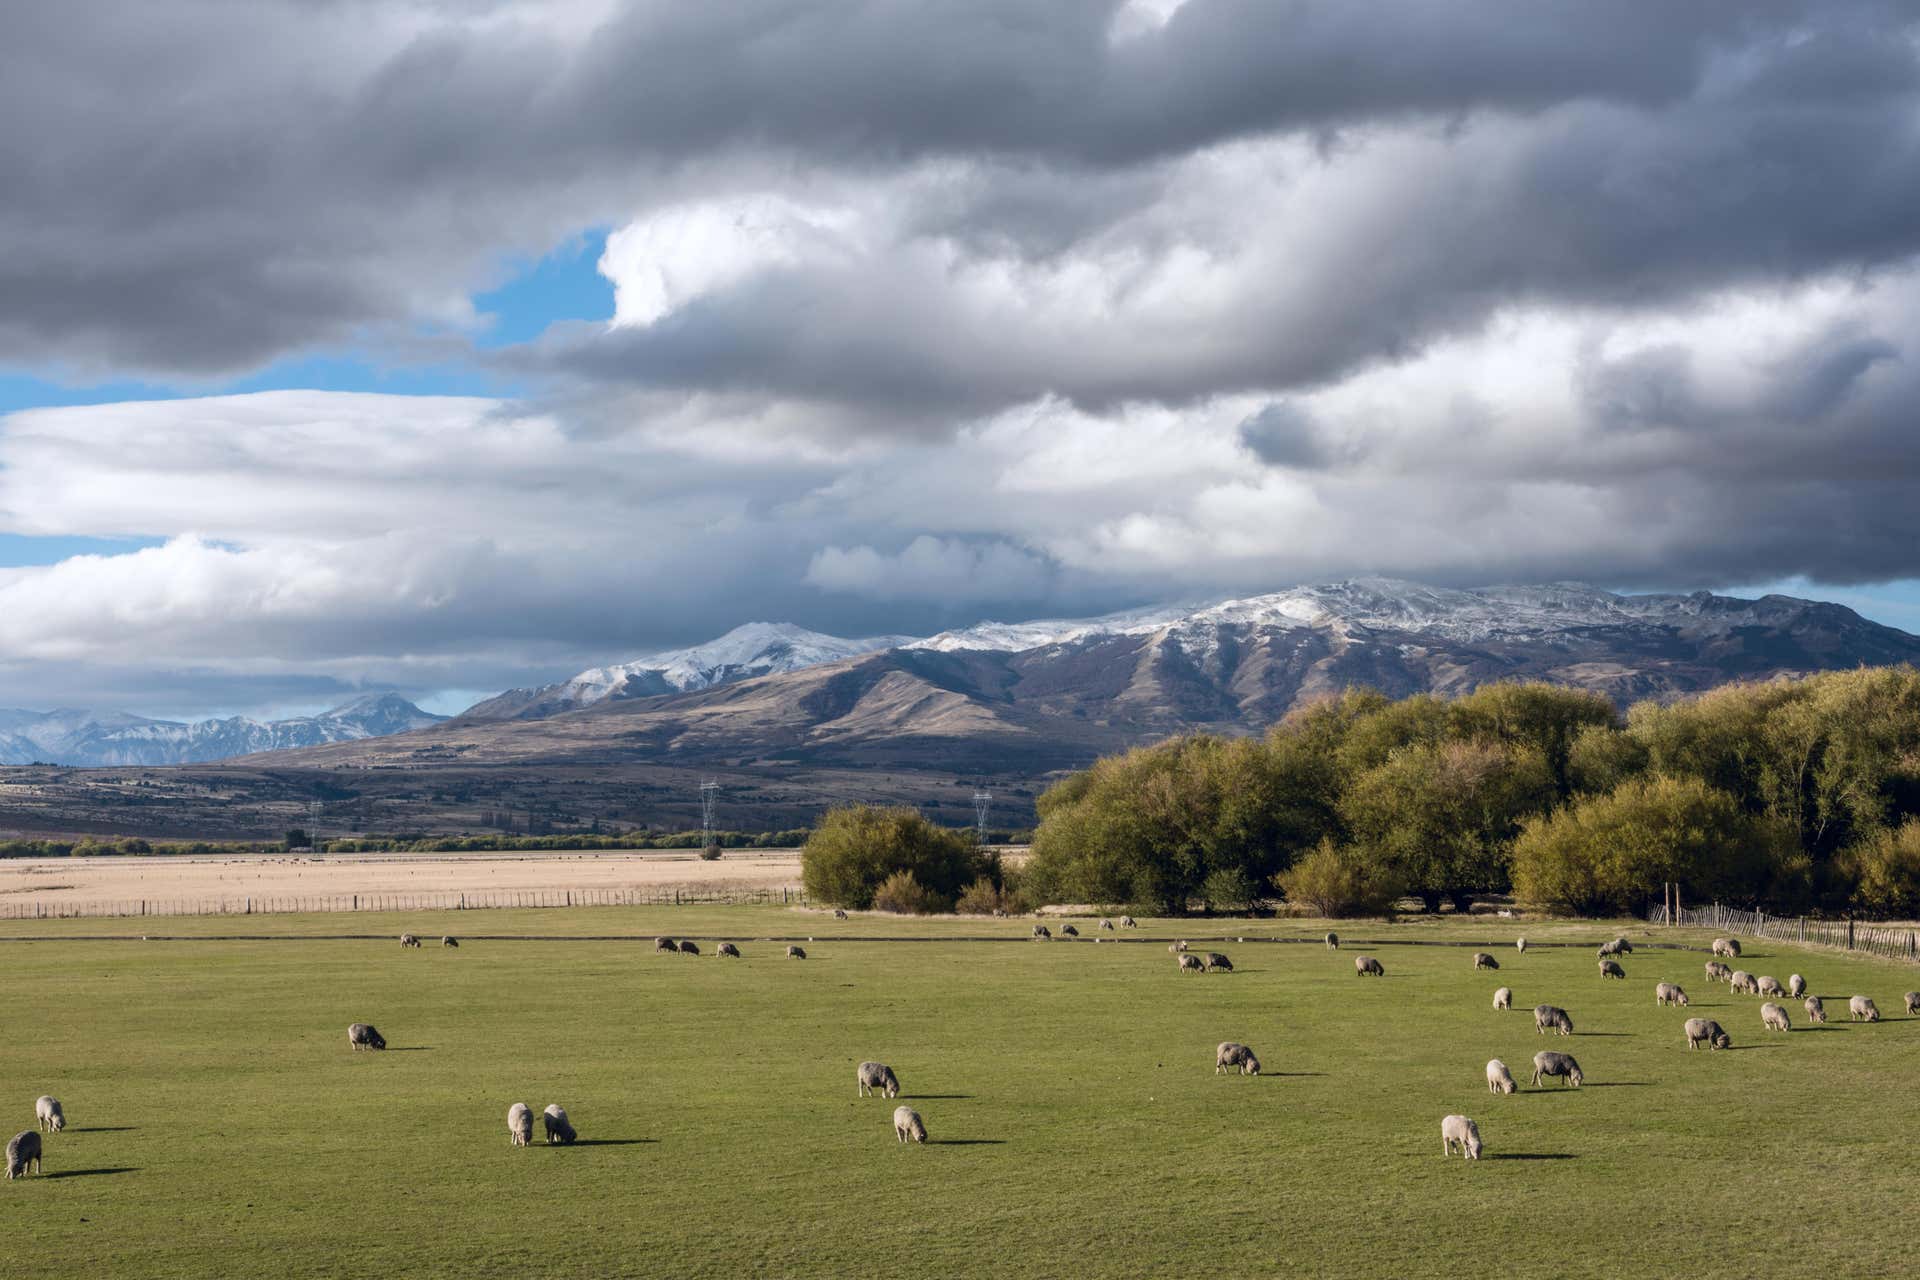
(448, 901)
(1890, 942)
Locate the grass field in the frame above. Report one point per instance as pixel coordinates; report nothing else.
(219, 1124)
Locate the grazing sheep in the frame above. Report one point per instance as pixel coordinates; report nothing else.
(24, 1150)
(1191, 962)
(1618, 947)
(1230, 1054)
(408, 940)
(796, 953)
(1041, 932)
(1717, 972)
(1547, 1016)
(1177, 947)
(1461, 1132)
(1520, 945)
(448, 940)
(877, 1075)
(1068, 931)
(1611, 969)
(727, 949)
(1913, 1002)
(559, 1128)
(1706, 1031)
(688, 947)
(1107, 925)
(1743, 983)
(1728, 947)
(1863, 1009)
(1503, 998)
(1768, 985)
(667, 945)
(1774, 1018)
(1499, 1079)
(908, 1124)
(1128, 922)
(1481, 960)
(1333, 942)
(838, 914)
(1364, 965)
(1217, 961)
(1548, 1063)
(1816, 1012)
(519, 1124)
(47, 1112)
(362, 1036)
(1669, 993)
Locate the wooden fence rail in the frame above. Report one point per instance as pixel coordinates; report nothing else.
(1880, 940)
(29, 909)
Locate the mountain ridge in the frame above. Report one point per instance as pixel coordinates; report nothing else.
(79, 737)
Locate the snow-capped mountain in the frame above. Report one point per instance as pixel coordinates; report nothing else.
(74, 737)
(754, 649)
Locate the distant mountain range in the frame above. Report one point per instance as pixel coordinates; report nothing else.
(73, 737)
(1040, 696)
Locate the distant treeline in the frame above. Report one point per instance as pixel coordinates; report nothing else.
(133, 847)
(1798, 795)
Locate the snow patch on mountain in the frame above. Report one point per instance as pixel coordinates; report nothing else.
(77, 737)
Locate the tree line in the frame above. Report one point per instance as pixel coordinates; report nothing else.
(1789, 795)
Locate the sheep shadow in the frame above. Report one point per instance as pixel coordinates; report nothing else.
(936, 1097)
(966, 1142)
(1616, 1084)
(1609, 1034)
(1283, 1075)
(1743, 1048)
(606, 1142)
(106, 1128)
(1819, 1026)
(1532, 1155)
(411, 1048)
(93, 1173)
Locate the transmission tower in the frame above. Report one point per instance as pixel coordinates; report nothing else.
(709, 796)
(982, 802)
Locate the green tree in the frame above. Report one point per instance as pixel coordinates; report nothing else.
(1331, 881)
(1884, 871)
(857, 847)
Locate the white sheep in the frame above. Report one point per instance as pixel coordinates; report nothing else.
(1913, 1002)
(1461, 1132)
(1239, 1056)
(47, 1112)
(559, 1128)
(1816, 1012)
(877, 1075)
(908, 1124)
(1215, 960)
(1863, 1009)
(1611, 969)
(24, 1150)
(519, 1124)
(408, 940)
(796, 953)
(1499, 1079)
(1481, 960)
(1107, 925)
(1177, 946)
(1669, 993)
(726, 949)
(1128, 922)
(1547, 1016)
(1728, 947)
(1743, 983)
(1717, 972)
(1768, 985)
(362, 1036)
(1796, 985)
(1705, 1031)
(1520, 945)
(1549, 1063)
(1503, 998)
(1191, 962)
(1041, 933)
(1364, 965)
(1774, 1018)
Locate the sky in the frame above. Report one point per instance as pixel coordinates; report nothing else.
(453, 345)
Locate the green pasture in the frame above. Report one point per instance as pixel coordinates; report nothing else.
(220, 1126)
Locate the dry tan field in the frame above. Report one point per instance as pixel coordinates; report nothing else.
(79, 881)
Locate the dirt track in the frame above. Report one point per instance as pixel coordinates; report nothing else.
(92, 880)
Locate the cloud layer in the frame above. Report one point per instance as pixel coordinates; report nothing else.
(925, 311)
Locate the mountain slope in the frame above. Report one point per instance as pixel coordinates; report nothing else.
(74, 737)
(754, 649)
(1044, 696)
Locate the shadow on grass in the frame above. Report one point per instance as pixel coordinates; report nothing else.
(935, 1097)
(1609, 1034)
(1742, 1048)
(1616, 1084)
(606, 1142)
(1819, 1026)
(1282, 1075)
(411, 1048)
(1532, 1155)
(107, 1128)
(93, 1173)
(966, 1142)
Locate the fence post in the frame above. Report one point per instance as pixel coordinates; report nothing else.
(1849, 933)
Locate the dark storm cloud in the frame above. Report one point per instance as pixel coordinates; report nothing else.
(201, 186)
